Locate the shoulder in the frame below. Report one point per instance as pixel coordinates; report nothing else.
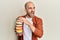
(38, 18)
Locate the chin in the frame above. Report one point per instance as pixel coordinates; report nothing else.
(31, 15)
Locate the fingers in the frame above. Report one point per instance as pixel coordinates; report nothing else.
(22, 19)
(19, 19)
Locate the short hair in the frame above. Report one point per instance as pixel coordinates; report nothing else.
(27, 3)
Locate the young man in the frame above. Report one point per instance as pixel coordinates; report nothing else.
(32, 25)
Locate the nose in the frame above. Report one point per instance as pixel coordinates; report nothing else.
(33, 9)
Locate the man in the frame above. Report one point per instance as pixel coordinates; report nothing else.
(32, 25)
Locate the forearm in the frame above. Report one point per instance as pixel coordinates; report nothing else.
(31, 27)
(38, 32)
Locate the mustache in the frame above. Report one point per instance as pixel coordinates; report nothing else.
(32, 12)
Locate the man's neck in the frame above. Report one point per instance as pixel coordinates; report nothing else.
(29, 16)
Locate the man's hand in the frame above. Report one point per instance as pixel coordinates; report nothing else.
(28, 23)
(24, 20)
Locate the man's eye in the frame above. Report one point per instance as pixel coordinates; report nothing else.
(31, 8)
(34, 8)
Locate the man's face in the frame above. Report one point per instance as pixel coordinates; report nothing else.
(30, 9)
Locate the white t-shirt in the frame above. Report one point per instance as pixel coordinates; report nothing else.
(27, 31)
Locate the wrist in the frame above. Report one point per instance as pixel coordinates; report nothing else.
(32, 27)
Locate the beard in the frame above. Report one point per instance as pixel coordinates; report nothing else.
(31, 14)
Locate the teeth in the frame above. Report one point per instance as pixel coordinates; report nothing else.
(18, 23)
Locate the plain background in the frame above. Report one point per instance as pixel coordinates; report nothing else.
(48, 10)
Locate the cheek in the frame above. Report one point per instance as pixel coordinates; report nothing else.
(29, 10)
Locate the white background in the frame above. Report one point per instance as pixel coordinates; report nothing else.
(48, 10)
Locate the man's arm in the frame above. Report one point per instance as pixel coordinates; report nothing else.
(38, 30)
